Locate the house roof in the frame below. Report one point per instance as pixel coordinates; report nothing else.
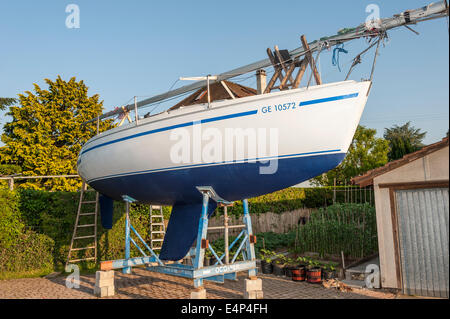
(367, 178)
(217, 92)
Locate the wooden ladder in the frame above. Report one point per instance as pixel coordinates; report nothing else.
(157, 227)
(88, 226)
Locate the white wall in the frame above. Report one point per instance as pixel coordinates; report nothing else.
(434, 166)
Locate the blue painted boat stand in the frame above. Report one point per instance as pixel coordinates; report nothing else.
(222, 269)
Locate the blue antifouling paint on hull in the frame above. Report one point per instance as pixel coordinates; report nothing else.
(230, 181)
(106, 211)
(183, 229)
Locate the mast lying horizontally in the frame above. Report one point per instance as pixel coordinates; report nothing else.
(431, 11)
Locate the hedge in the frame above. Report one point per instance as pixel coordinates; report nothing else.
(294, 198)
(21, 250)
(32, 222)
(30, 254)
(9, 169)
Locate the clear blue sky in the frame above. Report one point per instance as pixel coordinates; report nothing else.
(140, 48)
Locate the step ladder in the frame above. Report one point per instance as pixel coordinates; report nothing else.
(88, 228)
(157, 227)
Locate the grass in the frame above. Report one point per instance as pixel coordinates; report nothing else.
(25, 274)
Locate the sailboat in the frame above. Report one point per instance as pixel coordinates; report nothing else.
(313, 129)
(240, 147)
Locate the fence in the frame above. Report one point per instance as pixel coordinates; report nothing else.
(329, 195)
(11, 178)
(354, 194)
(268, 222)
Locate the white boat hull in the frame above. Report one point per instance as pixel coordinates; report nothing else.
(164, 157)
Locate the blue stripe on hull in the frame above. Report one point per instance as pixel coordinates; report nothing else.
(172, 127)
(231, 181)
(215, 119)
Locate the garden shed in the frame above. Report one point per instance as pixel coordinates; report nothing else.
(412, 209)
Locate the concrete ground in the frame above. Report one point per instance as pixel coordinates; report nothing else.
(142, 284)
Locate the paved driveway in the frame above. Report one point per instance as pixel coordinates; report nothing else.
(144, 284)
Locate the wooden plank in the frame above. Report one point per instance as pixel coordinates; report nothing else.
(416, 185)
(280, 58)
(272, 81)
(276, 66)
(394, 220)
(287, 76)
(300, 74)
(311, 60)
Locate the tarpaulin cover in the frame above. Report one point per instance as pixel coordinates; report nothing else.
(106, 211)
(182, 229)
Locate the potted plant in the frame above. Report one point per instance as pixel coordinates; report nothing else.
(266, 261)
(278, 265)
(329, 271)
(303, 261)
(299, 271)
(290, 265)
(207, 260)
(314, 272)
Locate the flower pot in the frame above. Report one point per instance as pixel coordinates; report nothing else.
(266, 268)
(299, 273)
(288, 271)
(278, 270)
(328, 274)
(314, 275)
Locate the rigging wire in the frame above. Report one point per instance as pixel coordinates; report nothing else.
(166, 95)
(186, 93)
(315, 62)
(241, 79)
(319, 48)
(357, 59)
(329, 42)
(358, 32)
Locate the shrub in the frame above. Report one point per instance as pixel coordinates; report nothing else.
(54, 213)
(9, 169)
(30, 253)
(293, 198)
(277, 202)
(10, 224)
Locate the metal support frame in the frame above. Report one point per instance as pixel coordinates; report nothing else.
(218, 272)
(127, 270)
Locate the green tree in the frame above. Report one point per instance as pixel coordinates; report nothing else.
(6, 101)
(46, 132)
(403, 140)
(366, 152)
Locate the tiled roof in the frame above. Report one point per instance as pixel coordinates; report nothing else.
(367, 178)
(218, 92)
